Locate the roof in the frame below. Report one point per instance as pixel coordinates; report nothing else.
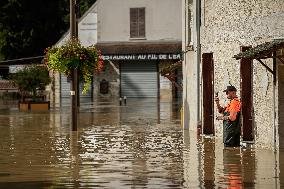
(261, 51)
(22, 61)
(122, 48)
(7, 85)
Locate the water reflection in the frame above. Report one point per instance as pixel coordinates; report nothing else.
(209, 162)
(232, 168)
(123, 147)
(248, 168)
(75, 159)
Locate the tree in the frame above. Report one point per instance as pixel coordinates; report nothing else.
(27, 27)
(31, 79)
(170, 72)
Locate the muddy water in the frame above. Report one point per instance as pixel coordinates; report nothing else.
(137, 145)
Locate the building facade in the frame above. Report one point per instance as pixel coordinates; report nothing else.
(137, 39)
(225, 26)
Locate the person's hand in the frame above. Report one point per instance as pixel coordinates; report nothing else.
(217, 100)
(220, 118)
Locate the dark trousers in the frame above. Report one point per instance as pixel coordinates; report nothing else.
(231, 135)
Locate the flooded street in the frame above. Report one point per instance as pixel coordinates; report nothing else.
(137, 145)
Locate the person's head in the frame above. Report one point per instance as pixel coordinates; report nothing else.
(231, 92)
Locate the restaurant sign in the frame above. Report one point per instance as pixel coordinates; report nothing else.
(143, 57)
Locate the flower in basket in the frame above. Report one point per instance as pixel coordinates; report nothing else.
(73, 55)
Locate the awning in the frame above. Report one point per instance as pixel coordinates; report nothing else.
(262, 51)
(124, 48)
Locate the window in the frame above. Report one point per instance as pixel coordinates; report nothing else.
(137, 22)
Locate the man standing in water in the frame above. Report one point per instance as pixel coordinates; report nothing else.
(231, 118)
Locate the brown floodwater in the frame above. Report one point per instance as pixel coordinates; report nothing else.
(137, 145)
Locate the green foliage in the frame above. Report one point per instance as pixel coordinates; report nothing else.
(171, 68)
(31, 79)
(84, 6)
(28, 26)
(72, 55)
(170, 71)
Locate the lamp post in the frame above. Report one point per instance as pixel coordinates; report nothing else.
(74, 72)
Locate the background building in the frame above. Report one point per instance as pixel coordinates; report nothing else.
(136, 40)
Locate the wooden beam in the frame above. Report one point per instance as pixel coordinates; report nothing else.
(208, 89)
(172, 79)
(246, 91)
(281, 60)
(274, 69)
(269, 69)
(278, 56)
(265, 56)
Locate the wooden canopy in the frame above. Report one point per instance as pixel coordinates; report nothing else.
(120, 48)
(264, 51)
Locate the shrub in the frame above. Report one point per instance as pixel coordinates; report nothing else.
(31, 80)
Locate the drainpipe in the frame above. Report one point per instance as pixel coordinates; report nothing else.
(186, 27)
(197, 47)
(184, 116)
(192, 108)
(274, 103)
(276, 168)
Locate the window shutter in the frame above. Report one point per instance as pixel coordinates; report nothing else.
(141, 22)
(133, 23)
(137, 22)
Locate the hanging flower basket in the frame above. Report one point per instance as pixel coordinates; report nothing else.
(73, 55)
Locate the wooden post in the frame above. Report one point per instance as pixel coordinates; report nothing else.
(208, 101)
(74, 72)
(246, 96)
(76, 36)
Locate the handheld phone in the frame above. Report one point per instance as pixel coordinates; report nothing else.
(216, 94)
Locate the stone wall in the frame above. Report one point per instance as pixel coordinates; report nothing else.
(53, 90)
(225, 26)
(110, 73)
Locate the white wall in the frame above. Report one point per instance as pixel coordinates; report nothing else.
(87, 29)
(163, 19)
